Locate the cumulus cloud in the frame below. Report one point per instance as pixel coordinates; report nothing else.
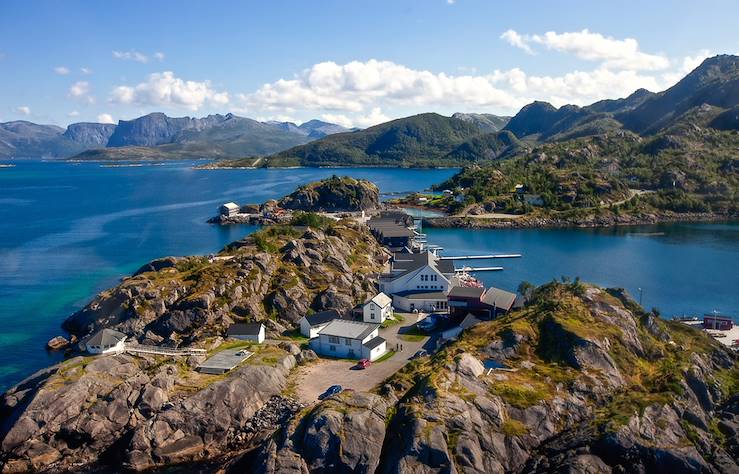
(360, 93)
(80, 91)
(164, 89)
(612, 53)
(73, 114)
(138, 56)
(23, 109)
(86, 70)
(61, 70)
(105, 118)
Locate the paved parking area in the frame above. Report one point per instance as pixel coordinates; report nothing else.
(315, 378)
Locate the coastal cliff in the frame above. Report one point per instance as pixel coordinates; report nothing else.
(335, 194)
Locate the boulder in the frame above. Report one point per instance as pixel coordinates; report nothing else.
(57, 343)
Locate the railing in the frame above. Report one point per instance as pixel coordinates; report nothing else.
(157, 350)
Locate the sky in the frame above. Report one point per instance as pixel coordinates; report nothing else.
(352, 62)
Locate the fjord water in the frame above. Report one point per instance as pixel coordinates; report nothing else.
(69, 230)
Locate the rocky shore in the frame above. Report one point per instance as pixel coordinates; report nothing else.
(596, 220)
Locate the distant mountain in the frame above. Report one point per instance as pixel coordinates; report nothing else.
(715, 82)
(486, 122)
(157, 136)
(420, 140)
(89, 134)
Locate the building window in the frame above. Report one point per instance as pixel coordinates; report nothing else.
(347, 341)
(332, 348)
(333, 339)
(372, 315)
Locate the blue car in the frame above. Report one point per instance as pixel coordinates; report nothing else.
(332, 390)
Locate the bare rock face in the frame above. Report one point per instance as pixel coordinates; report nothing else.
(343, 434)
(104, 411)
(334, 194)
(57, 343)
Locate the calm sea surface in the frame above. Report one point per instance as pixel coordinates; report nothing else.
(68, 231)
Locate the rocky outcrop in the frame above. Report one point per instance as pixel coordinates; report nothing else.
(90, 413)
(271, 276)
(335, 194)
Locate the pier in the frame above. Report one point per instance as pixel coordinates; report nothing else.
(482, 257)
(478, 269)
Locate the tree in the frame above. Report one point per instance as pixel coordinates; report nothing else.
(525, 288)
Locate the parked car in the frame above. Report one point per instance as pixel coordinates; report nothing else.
(421, 353)
(364, 363)
(332, 390)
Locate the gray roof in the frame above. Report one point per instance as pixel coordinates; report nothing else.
(322, 317)
(244, 329)
(469, 321)
(106, 337)
(422, 295)
(348, 329)
(408, 262)
(499, 298)
(466, 292)
(374, 342)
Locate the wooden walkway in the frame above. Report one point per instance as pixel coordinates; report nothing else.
(167, 351)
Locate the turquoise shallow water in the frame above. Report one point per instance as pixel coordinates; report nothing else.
(68, 231)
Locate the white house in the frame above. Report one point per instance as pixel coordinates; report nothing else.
(229, 209)
(312, 324)
(378, 309)
(350, 339)
(420, 272)
(106, 341)
(247, 332)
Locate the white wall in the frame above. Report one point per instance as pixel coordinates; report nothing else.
(404, 304)
(375, 353)
(117, 349)
(308, 331)
(328, 346)
(420, 280)
(381, 314)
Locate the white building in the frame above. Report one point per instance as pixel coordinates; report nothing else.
(106, 341)
(426, 301)
(254, 332)
(312, 324)
(378, 309)
(420, 272)
(350, 339)
(229, 209)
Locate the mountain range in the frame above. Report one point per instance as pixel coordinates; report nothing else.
(158, 136)
(435, 140)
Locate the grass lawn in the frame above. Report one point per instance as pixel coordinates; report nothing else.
(397, 319)
(412, 337)
(295, 335)
(384, 357)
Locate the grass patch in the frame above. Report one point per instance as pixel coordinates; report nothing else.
(384, 357)
(520, 396)
(394, 321)
(412, 337)
(513, 428)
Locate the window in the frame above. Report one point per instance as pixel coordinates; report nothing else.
(347, 341)
(332, 348)
(333, 339)
(372, 315)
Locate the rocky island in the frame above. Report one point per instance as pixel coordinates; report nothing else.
(341, 196)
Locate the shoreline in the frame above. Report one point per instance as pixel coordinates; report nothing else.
(562, 223)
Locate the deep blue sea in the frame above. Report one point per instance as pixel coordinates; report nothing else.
(70, 230)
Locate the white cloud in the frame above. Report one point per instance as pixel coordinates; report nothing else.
(23, 109)
(159, 56)
(105, 118)
(137, 56)
(451, 2)
(612, 53)
(61, 70)
(687, 64)
(515, 39)
(80, 91)
(73, 114)
(164, 89)
(86, 70)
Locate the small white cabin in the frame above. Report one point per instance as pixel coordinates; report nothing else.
(350, 339)
(247, 332)
(378, 309)
(106, 341)
(229, 209)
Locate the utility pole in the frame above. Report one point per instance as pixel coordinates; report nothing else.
(640, 295)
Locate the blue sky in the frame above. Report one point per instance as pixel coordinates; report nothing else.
(352, 62)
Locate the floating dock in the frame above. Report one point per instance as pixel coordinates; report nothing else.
(482, 257)
(478, 269)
